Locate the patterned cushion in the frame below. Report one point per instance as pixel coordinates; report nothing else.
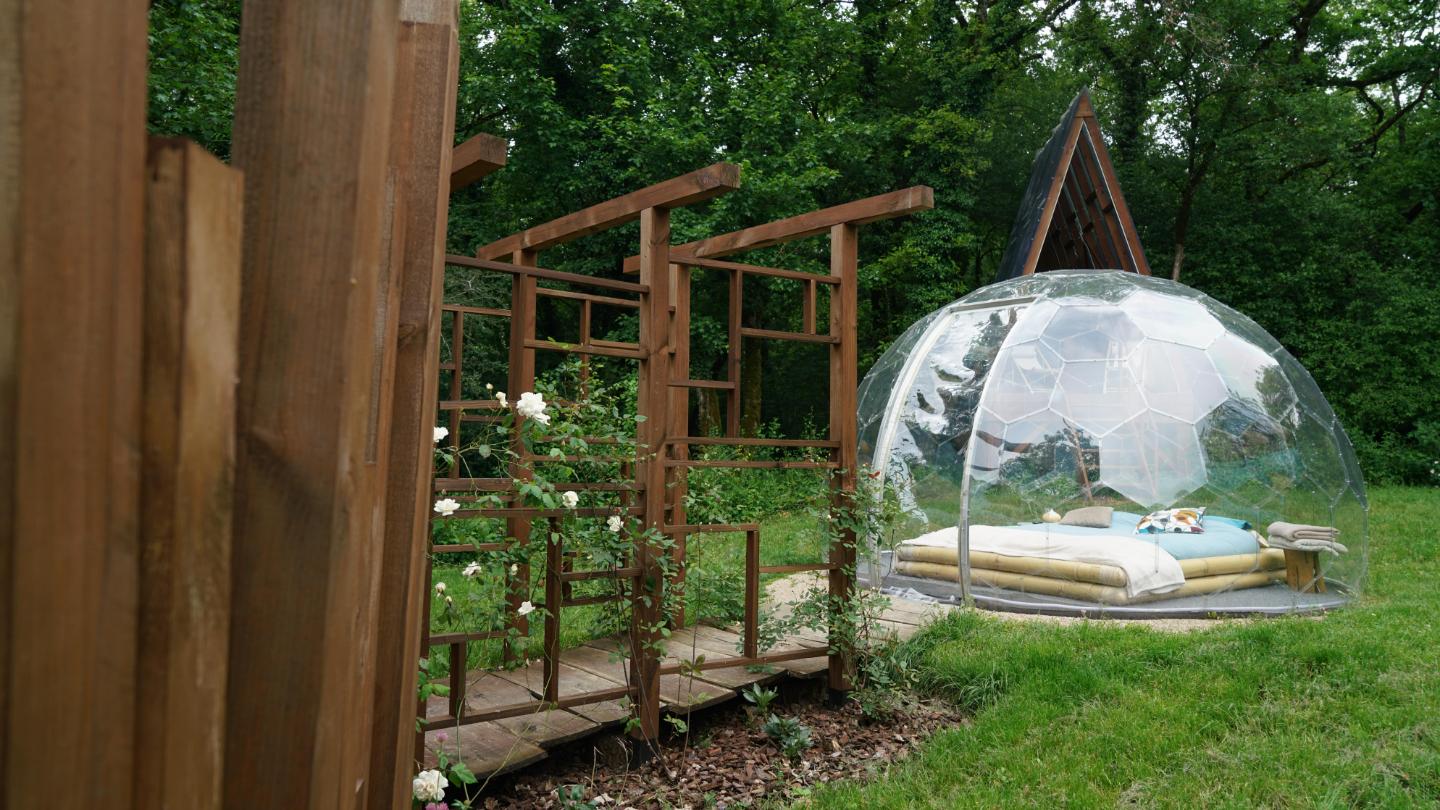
(1184, 520)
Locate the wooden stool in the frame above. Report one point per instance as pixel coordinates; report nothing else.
(1302, 571)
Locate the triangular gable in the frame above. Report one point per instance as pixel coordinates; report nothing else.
(1073, 214)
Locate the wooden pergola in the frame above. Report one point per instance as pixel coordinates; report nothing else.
(654, 490)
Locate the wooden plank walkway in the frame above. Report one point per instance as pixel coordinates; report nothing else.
(500, 746)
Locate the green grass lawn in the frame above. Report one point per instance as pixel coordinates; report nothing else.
(1291, 712)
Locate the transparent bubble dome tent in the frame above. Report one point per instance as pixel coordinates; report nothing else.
(1061, 390)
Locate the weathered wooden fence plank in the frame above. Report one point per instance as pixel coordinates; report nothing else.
(312, 123)
(192, 300)
(422, 130)
(72, 160)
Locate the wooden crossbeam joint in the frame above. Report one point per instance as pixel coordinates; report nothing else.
(859, 212)
(697, 186)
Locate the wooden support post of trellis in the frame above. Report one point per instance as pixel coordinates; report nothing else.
(192, 301)
(676, 480)
(521, 379)
(653, 396)
(422, 129)
(312, 123)
(72, 168)
(843, 385)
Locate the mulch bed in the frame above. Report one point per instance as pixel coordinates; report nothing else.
(729, 761)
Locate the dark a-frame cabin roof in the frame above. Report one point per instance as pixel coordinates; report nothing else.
(1073, 214)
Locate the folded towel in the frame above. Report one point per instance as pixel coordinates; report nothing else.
(1302, 531)
(1328, 546)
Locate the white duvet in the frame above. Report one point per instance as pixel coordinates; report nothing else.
(1148, 568)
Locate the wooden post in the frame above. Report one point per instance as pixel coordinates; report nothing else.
(843, 384)
(676, 480)
(521, 380)
(733, 366)
(192, 302)
(653, 398)
(312, 124)
(422, 126)
(751, 640)
(554, 564)
(72, 174)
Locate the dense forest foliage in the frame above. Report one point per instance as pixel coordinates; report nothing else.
(1281, 155)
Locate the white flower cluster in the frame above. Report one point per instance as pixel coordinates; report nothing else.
(614, 523)
(532, 406)
(429, 786)
(570, 499)
(471, 571)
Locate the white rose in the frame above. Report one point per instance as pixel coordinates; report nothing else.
(514, 568)
(429, 786)
(614, 523)
(500, 398)
(440, 588)
(489, 387)
(525, 608)
(471, 571)
(532, 406)
(441, 433)
(449, 601)
(570, 499)
(446, 507)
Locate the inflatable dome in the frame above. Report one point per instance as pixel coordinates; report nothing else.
(1110, 443)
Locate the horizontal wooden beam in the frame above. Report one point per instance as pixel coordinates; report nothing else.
(859, 212)
(545, 273)
(797, 337)
(478, 157)
(754, 270)
(696, 186)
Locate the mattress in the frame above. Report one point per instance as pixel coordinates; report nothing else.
(1110, 566)
(1264, 560)
(1222, 536)
(1089, 591)
(1145, 567)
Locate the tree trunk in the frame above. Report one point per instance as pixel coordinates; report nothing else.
(752, 360)
(1182, 223)
(707, 413)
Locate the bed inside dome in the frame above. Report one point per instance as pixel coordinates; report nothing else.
(1103, 442)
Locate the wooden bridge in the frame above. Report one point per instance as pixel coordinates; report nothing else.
(499, 746)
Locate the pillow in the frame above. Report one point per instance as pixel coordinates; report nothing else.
(1184, 520)
(1095, 517)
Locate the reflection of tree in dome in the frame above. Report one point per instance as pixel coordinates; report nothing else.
(947, 394)
(1056, 456)
(1277, 397)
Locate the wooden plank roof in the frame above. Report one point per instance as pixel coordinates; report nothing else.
(1073, 214)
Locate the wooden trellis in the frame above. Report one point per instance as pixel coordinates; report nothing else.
(654, 482)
